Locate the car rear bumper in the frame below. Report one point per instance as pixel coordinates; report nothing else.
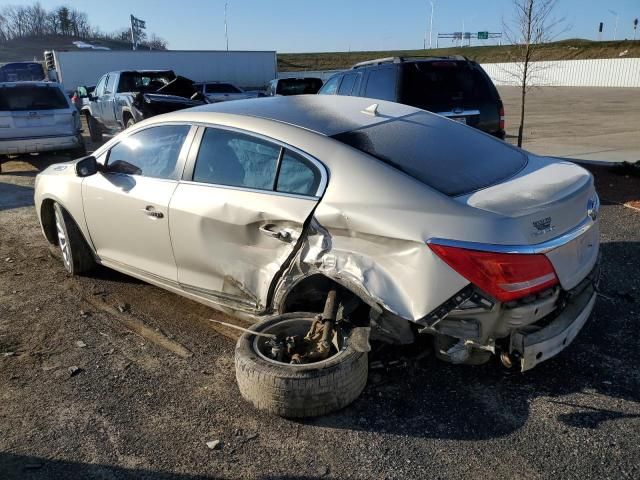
(17, 146)
(534, 347)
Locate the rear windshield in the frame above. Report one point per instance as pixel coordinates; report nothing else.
(26, 71)
(221, 88)
(442, 85)
(32, 97)
(299, 86)
(144, 81)
(451, 158)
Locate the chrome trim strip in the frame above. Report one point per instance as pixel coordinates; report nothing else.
(543, 247)
(251, 190)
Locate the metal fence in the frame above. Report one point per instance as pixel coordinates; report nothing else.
(608, 72)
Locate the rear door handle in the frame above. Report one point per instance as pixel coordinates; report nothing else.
(150, 210)
(269, 231)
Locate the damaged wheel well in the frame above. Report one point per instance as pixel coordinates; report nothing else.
(310, 294)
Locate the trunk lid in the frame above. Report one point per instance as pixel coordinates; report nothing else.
(549, 200)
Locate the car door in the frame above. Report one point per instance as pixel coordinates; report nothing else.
(126, 204)
(108, 101)
(96, 102)
(239, 213)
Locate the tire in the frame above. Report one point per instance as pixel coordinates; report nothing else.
(95, 130)
(76, 255)
(297, 391)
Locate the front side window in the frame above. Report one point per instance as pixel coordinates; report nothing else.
(111, 84)
(152, 152)
(100, 87)
(235, 159)
(381, 84)
(297, 175)
(331, 87)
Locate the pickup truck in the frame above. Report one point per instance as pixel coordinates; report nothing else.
(121, 99)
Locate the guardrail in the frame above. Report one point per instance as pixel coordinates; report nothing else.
(606, 72)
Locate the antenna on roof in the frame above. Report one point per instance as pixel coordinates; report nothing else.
(371, 109)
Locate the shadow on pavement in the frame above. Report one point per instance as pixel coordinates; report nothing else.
(20, 467)
(15, 196)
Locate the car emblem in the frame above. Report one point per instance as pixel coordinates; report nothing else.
(593, 205)
(542, 226)
(33, 114)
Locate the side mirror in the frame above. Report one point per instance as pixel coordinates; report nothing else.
(86, 167)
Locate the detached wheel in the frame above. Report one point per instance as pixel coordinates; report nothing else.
(73, 249)
(95, 130)
(297, 391)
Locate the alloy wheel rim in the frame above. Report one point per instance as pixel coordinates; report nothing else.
(62, 242)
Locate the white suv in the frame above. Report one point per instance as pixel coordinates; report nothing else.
(38, 117)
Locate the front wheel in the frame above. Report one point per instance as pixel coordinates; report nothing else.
(76, 254)
(95, 130)
(303, 390)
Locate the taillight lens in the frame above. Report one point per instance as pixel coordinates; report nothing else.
(505, 276)
(501, 113)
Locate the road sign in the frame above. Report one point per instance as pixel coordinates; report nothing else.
(483, 35)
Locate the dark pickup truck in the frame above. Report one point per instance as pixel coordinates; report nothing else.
(123, 98)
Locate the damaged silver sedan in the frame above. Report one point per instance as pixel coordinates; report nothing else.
(331, 221)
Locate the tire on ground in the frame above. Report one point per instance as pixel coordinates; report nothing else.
(95, 130)
(81, 257)
(297, 391)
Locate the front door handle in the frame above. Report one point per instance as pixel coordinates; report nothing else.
(150, 210)
(269, 231)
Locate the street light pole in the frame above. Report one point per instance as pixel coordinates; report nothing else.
(226, 31)
(431, 24)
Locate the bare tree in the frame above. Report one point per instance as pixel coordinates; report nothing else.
(156, 43)
(532, 25)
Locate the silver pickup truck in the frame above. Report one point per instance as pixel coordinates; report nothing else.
(123, 98)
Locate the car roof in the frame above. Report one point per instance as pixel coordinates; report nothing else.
(324, 114)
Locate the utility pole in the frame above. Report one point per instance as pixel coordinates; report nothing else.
(615, 28)
(226, 30)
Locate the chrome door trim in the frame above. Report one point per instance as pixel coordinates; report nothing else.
(461, 113)
(543, 247)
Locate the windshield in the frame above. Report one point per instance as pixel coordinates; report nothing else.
(448, 157)
(442, 85)
(32, 97)
(299, 86)
(144, 81)
(222, 88)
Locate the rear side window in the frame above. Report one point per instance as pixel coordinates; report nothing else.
(331, 87)
(152, 152)
(441, 85)
(32, 97)
(235, 159)
(382, 84)
(429, 148)
(299, 86)
(347, 84)
(297, 175)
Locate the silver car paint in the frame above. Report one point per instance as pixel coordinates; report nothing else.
(368, 231)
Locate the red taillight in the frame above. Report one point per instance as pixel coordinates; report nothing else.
(501, 113)
(505, 276)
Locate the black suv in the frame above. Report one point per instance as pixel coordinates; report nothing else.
(455, 87)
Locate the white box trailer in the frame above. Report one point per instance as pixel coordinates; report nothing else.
(247, 69)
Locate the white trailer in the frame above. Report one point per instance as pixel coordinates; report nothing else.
(248, 69)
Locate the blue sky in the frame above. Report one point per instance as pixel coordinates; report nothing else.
(334, 25)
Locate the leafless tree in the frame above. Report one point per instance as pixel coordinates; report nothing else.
(533, 24)
(156, 43)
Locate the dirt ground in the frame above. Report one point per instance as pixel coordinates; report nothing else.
(105, 377)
